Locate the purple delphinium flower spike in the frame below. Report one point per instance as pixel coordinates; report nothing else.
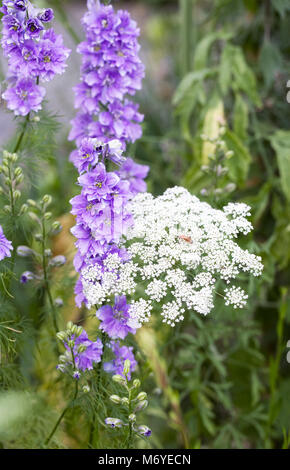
(106, 120)
(33, 54)
(5, 246)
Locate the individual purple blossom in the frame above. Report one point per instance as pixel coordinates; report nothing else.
(92, 354)
(34, 26)
(26, 277)
(52, 56)
(20, 5)
(121, 353)
(5, 246)
(24, 96)
(144, 430)
(46, 15)
(116, 321)
(135, 174)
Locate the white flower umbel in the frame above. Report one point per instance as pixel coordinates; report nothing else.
(180, 247)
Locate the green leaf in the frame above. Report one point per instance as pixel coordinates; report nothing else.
(281, 6)
(239, 164)
(203, 48)
(235, 72)
(186, 85)
(270, 62)
(280, 142)
(241, 119)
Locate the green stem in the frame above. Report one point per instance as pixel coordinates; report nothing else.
(71, 404)
(100, 364)
(275, 364)
(186, 36)
(20, 138)
(46, 279)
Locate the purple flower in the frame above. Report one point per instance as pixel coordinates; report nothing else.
(97, 182)
(46, 15)
(52, 55)
(24, 96)
(20, 5)
(145, 431)
(5, 246)
(92, 354)
(106, 120)
(135, 174)
(116, 320)
(34, 26)
(32, 52)
(88, 154)
(121, 353)
(26, 277)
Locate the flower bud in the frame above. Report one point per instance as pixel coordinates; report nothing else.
(114, 422)
(229, 154)
(58, 302)
(79, 331)
(38, 237)
(132, 418)
(16, 194)
(24, 251)
(86, 389)
(7, 209)
(61, 335)
(47, 199)
(127, 365)
(136, 383)
(18, 171)
(115, 399)
(23, 209)
(56, 227)
(125, 401)
(48, 253)
(19, 179)
(26, 277)
(230, 187)
(144, 430)
(34, 217)
(81, 348)
(141, 405)
(31, 203)
(47, 215)
(57, 261)
(62, 358)
(69, 326)
(142, 396)
(70, 343)
(119, 379)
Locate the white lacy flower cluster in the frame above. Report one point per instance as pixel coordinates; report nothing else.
(180, 247)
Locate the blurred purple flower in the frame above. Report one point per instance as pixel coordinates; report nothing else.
(5, 246)
(121, 353)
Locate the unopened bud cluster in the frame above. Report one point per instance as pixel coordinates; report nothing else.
(216, 168)
(135, 402)
(12, 177)
(43, 257)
